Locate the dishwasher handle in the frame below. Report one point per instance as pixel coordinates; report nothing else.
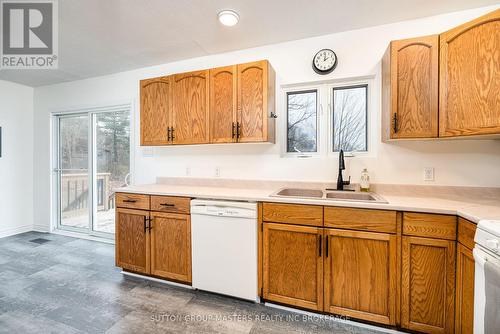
(221, 211)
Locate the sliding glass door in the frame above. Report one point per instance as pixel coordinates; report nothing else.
(92, 159)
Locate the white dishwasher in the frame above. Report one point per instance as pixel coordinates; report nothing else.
(224, 247)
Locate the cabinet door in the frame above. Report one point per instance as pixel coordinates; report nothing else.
(293, 265)
(464, 319)
(190, 108)
(428, 285)
(360, 275)
(470, 78)
(253, 101)
(171, 246)
(156, 106)
(132, 240)
(414, 87)
(223, 104)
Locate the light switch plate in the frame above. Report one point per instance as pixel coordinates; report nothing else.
(429, 174)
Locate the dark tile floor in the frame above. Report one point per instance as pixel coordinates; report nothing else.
(71, 285)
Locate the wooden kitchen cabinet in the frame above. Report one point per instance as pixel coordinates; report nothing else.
(223, 104)
(293, 265)
(464, 319)
(428, 285)
(410, 88)
(156, 110)
(190, 108)
(171, 246)
(464, 314)
(153, 235)
(361, 275)
(256, 102)
(132, 240)
(469, 101)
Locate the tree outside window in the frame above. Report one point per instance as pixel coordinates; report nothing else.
(302, 121)
(350, 118)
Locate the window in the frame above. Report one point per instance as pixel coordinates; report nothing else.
(350, 106)
(302, 121)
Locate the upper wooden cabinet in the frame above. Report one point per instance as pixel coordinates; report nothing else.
(410, 83)
(256, 93)
(444, 85)
(221, 105)
(190, 118)
(470, 78)
(156, 110)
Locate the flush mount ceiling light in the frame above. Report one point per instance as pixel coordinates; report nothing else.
(228, 17)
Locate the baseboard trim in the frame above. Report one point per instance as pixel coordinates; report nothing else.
(333, 318)
(83, 236)
(15, 230)
(41, 228)
(180, 285)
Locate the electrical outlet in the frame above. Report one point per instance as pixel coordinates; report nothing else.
(188, 171)
(217, 171)
(429, 174)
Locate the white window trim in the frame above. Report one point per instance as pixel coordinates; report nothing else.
(325, 117)
(319, 116)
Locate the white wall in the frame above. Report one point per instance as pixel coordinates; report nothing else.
(16, 163)
(468, 163)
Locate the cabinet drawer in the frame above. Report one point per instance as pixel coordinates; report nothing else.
(132, 201)
(430, 225)
(311, 215)
(361, 219)
(466, 232)
(170, 204)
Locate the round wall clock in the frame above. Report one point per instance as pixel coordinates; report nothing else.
(324, 61)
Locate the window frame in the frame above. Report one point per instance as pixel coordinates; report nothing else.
(331, 132)
(319, 144)
(325, 116)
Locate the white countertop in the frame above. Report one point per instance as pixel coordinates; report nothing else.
(468, 205)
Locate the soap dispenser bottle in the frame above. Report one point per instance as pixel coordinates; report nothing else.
(364, 184)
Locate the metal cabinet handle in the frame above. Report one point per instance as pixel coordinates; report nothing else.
(326, 247)
(233, 131)
(167, 204)
(238, 130)
(395, 122)
(169, 133)
(129, 201)
(145, 223)
(320, 241)
(172, 133)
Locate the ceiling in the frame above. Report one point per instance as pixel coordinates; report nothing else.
(99, 37)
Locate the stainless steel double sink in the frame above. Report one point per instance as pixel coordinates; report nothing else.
(332, 195)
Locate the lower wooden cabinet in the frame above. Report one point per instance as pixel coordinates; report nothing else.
(361, 275)
(464, 319)
(428, 285)
(132, 240)
(293, 265)
(171, 246)
(154, 243)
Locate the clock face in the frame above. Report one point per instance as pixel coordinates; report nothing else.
(324, 61)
